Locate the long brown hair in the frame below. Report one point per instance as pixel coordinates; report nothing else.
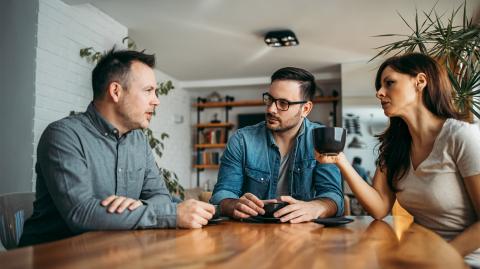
(395, 141)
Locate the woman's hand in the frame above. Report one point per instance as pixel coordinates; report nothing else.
(335, 159)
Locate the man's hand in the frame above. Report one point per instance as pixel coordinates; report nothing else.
(118, 204)
(299, 211)
(194, 214)
(246, 206)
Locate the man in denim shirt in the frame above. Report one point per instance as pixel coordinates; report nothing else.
(275, 159)
(96, 170)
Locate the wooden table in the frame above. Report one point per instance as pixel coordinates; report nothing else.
(362, 244)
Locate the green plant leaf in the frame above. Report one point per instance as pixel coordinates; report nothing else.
(456, 46)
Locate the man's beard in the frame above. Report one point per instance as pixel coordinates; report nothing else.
(125, 112)
(280, 129)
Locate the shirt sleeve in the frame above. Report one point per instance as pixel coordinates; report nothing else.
(467, 150)
(155, 193)
(64, 167)
(328, 184)
(230, 176)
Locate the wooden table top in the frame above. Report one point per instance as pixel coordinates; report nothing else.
(364, 243)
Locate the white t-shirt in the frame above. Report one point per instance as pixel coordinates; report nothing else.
(435, 192)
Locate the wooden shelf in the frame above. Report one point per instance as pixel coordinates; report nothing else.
(326, 99)
(214, 125)
(209, 146)
(206, 166)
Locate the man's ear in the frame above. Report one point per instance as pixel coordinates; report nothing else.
(307, 107)
(114, 91)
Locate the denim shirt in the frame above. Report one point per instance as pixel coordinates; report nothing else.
(251, 163)
(81, 160)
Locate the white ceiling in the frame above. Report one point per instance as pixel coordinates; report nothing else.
(223, 39)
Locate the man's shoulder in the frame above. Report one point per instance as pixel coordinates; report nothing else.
(72, 122)
(66, 130)
(309, 125)
(253, 135)
(252, 130)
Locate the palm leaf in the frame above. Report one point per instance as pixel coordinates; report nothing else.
(456, 45)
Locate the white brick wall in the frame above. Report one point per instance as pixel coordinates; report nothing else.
(63, 79)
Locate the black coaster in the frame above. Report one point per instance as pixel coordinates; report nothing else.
(217, 220)
(261, 219)
(330, 222)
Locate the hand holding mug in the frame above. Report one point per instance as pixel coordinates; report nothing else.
(333, 159)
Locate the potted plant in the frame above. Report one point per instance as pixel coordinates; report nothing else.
(457, 47)
(170, 178)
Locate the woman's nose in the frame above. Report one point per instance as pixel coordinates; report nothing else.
(380, 93)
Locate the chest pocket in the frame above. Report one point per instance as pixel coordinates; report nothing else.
(135, 182)
(302, 176)
(256, 182)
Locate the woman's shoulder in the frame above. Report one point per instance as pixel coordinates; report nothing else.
(459, 132)
(461, 129)
(463, 144)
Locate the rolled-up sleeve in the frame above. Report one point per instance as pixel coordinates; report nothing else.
(230, 176)
(328, 184)
(64, 167)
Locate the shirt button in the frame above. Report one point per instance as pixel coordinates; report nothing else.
(106, 134)
(119, 169)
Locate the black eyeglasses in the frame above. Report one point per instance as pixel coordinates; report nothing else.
(281, 104)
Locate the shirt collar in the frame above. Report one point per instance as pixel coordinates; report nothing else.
(302, 128)
(100, 122)
(271, 140)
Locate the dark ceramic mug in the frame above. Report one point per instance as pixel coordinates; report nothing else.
(329, 140)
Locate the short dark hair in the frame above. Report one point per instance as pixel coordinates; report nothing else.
(305, 78)
(115, 66)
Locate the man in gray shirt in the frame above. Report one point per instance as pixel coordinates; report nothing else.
(96, 171)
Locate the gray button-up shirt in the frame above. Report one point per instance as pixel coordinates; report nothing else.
(81, 161)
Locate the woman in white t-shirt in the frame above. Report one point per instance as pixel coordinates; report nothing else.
(428, 160)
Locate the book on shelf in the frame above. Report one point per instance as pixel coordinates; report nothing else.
(212, 136)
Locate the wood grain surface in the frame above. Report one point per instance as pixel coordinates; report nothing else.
(364, 243)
